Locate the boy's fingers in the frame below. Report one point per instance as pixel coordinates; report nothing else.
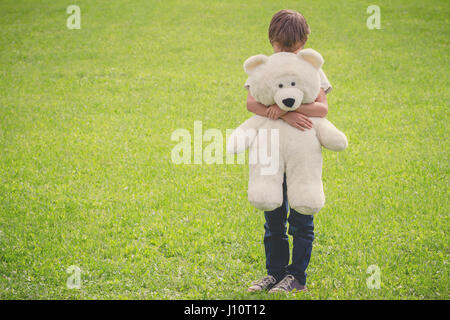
(304, 118)
(308, 124)
(307, 120)
(300, 123)
(305, 126)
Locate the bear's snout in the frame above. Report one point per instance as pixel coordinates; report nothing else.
(289, 102)
(288, 99)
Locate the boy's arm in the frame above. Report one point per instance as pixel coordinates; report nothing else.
(318, 108)
(256, 107)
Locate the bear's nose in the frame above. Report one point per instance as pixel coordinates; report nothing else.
(289, 102)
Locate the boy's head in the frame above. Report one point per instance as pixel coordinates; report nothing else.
(288, 31)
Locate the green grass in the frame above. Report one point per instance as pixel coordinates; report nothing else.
(86, 177)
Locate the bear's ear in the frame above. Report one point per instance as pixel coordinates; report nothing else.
(312, 56)
(251, 63)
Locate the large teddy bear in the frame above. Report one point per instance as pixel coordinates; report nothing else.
(287, 79)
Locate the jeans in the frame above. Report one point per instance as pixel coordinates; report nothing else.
(276, 242)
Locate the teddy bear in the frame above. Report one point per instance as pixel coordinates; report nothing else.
(275, 147)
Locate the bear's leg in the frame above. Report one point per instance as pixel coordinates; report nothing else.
(265, 192)
(266, 164)
(305, 189)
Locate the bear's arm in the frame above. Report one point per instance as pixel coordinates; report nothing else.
(329, 136)
(243, 136)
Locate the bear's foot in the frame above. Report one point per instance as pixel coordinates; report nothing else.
(266, 206)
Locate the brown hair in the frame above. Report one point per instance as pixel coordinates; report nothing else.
(288, 28)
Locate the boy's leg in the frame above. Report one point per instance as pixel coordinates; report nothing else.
(301, 228)
(276, 242)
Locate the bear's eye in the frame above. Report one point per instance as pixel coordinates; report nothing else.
(292, 83)
(280, 86)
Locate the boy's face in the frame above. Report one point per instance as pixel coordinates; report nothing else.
(296, 48)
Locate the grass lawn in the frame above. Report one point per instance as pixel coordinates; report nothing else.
(86, 177)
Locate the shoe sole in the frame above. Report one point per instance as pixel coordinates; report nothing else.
(275, 290)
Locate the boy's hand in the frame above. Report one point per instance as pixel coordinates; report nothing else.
(297, 120)
(274, 112)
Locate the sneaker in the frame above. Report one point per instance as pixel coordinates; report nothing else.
(288, 284)
(265, 283)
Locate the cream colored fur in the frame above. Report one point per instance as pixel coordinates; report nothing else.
(300, 152)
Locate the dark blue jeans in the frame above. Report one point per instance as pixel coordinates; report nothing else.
(276, 242)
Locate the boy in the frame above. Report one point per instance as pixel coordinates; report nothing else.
(288, 31)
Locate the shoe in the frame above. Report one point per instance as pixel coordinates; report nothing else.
(265, 283)
(288, 284)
